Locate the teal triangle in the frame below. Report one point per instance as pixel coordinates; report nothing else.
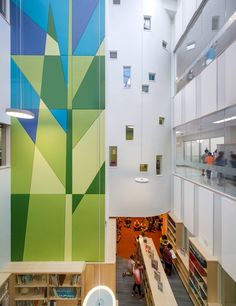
(98, 184)
(61, 116)
(76, 199)
(64, 62)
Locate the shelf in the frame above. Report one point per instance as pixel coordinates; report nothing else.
(38, 285)
(29, 297)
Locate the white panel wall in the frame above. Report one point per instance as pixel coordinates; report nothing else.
(189, 8)
(178, 109)
(189, 206)
(221, 81)
(205, 218)
(208, 89)
(228, 236)
(177, 197)
(5, 171)
(143, 51)
(178, 23)
(230, 75)
(4, 70)
(190, 101)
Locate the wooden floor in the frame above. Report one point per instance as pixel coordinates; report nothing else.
(124, 287)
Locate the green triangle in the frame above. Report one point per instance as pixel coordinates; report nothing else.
(91, 93)
(76, 198)
(32, 68)
(81, 122)
(79, 64)
(51, 26)
(98, 184)
(54, 91)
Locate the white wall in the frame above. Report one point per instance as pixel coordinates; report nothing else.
(177, 198)
(188, 198)
(190, 101)
(142, 50)
(5, 171)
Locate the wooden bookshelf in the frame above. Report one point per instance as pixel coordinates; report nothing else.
(174, 231)
(47, 283)
(154, 296)
(203, 276)
(4, 289)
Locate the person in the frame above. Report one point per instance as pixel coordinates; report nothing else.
(209, 161)
(130, 266)
(220, 161)
(127, 222)
(137, 279)
(233, 165)
(136, 225)
(163, 243)
(167, 258)
(203, 157)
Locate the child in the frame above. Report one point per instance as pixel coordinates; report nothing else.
(137, 278)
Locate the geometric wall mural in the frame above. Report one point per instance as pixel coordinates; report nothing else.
(58, 158)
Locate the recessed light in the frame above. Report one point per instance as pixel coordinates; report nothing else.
(190, 46)
(225, 120)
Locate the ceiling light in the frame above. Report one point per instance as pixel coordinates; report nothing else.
(19, 113)
(141, 180)
(100, 295)
(225, 120)
(190, 46)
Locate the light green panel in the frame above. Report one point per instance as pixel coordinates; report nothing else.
(22, 146)
(88, 156)
(88, 227)
(81, 122)
(45, 231)
(51, 141)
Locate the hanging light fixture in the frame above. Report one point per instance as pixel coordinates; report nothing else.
(20, 112)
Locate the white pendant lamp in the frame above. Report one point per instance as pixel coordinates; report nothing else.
(20, 112)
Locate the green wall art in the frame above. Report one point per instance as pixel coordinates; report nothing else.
(58, 158)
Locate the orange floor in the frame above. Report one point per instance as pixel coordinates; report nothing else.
(127, 243)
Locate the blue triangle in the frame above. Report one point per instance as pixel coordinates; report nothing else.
(30, 126)
(61, 116)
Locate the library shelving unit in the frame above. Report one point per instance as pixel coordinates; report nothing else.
(47, 283)
(4, 289)
(175, 229)
(202, 274)
(155, 296)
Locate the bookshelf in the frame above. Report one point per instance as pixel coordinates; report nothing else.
(175, 231)
(202, 274)
(4, 289)
(47, 283)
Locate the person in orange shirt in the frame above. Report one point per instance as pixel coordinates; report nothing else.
(209, 160)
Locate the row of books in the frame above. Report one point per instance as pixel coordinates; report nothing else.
(27, 279)
(59, 279)
(69, 293)
(3, 289)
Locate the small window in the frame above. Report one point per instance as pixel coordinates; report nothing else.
(158, 164)
(161, 120)
(147, 23)
(113, 156)
(2, 144)
(164, 44)
(129, 132)
(3, 7)
(151, 76)
(127, 76)
(215, 21)
(145, 88)
(113, 54)
(143, 167)
(116, 1)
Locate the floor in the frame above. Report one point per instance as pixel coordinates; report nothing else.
(124, 287)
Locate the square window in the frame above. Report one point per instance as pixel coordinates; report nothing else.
(145, 88)
(113, 156)
(129, 132)
(143, 167)
(147, 23)
(113, 54)
(164, 44)
(161, 120)
(127, 76)
(116, 1)
(151, 76)
(215, 21)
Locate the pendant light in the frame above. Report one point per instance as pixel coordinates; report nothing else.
(20, 112)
